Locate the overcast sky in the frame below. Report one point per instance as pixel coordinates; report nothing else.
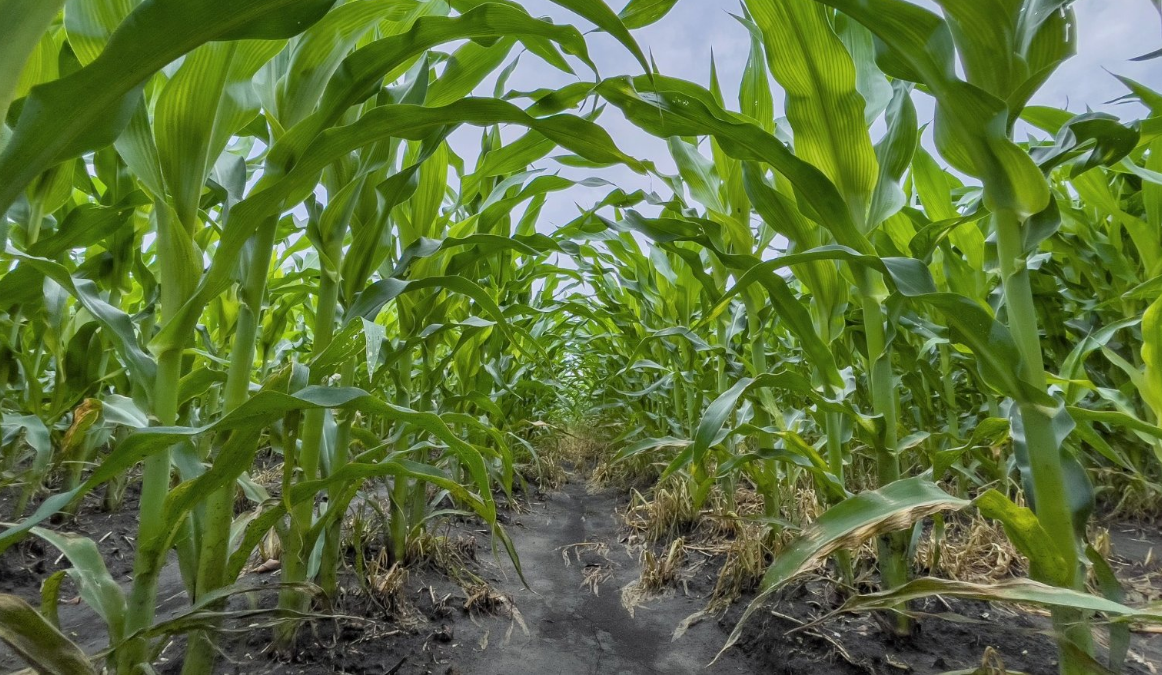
(1111, 32)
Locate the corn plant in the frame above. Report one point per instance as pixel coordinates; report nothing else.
(243, 228)
(199, 160)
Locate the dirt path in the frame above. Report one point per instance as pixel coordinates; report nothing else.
(572, 620)
(576, 631)
(574, 628)
(22, 575)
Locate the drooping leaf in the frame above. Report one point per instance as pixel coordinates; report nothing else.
(642, 13)
(88, 109)
(847, 525)
(38, 642)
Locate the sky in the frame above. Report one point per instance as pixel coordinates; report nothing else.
(1111, 32)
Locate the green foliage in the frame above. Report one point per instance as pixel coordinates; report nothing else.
(240, 228)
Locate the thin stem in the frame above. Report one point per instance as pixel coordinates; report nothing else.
(151, 519)
(35, 221)
(399, 489)
(1050, 501)
(329, 567)
(150, 554)
(893, 548)
(297, 548)
(201, 653)
(952, 417)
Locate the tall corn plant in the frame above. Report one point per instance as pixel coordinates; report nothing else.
(49, 130)
(170, 130)
(1006, 52)
(823, 197)
(972, 132)
(832, 90)
(729, 355)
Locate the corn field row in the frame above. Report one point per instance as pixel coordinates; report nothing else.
(238, 230)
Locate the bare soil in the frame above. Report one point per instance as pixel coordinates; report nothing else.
(24, 566)
(570, 618)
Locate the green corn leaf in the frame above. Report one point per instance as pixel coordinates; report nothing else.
(360, 74)
(603, 17)
(119, 325)
(319, 51)
(90, 23)
(252, 416)
(89, 109)
(87, 225)
(50, 596)
(894, 152)
(699, 174)
(1026, 533)
(1116, 418)
(720, 410)
(206, 101)
(1089, 140)
(642, 13)
(1151, 389)
(1009, 590)
(754, 95)
(847, 525)
(20, 38)
(824, 108)
(971, 123)
(38, 642)
(668, 107)
(1111, 589)
(96, 585)
(466, 69)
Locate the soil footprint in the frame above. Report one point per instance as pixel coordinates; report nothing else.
(576, 566)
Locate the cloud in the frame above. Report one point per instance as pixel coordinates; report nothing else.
(1111, 32)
